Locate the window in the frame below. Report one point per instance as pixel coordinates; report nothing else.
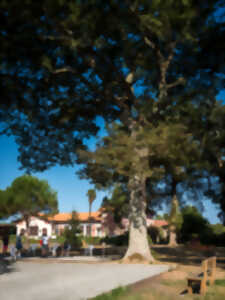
(99, 231)
(33, 230)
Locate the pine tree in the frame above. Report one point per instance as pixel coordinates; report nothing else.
(28, 196)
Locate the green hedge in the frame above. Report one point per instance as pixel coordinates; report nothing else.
(120, 240)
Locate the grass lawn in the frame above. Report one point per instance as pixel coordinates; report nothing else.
(172, 285)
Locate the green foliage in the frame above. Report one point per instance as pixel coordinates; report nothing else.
(141, 40)
(194, 224)
(142, 153)
(5, 208)
(118, 203)
(119, 240)
(60, 239)
(148, 66)
(28, 196)
(156, 234)
(150, 242)
(217, 228)
(72, 232)
(165, 216)
(91, 196)
(220, 282)
(113, 295)
(92, 240)
(25, 240)
(215, 235)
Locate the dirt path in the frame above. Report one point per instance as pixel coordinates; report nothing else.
(170, 285)
(74, 281)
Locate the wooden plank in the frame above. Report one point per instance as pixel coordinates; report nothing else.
(209, 271)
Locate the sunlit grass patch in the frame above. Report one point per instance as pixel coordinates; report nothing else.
(114, 294)
(220, 282)
(168, 282)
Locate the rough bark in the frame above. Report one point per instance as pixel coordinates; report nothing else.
(172, 236)
(90, 204)
(138, 242)
(172, 227)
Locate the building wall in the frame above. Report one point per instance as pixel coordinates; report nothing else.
(110, 228)
(55, 229)
(96, 229)
(34, 221)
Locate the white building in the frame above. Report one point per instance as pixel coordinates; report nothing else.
(99, 225)
(55, 225)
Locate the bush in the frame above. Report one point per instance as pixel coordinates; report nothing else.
(60, 239)
(149, 240)
(72, 238)
(71, 233)
(90, 240)
(119, 240)
(155, 234)
(194, 224)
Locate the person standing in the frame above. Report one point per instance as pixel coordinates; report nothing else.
(66, 248)
(19, 244)
(5, 240)
(45, 244)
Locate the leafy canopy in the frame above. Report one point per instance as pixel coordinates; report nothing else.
(130, 60)
(29, 195)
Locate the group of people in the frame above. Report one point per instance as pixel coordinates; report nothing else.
(16, 250)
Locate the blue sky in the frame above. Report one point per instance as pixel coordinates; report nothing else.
(71, 190)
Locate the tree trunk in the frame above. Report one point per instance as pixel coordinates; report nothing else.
(27, 221)
(90, 219)
(172, 227)
(138, 246)
(172, 236)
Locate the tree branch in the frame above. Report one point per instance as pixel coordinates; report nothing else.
(64, 70)
(180, 80)
(164, 65)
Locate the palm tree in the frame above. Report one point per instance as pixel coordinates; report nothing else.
(91, 197)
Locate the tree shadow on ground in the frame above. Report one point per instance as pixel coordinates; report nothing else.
(6, 266)
(188, 256)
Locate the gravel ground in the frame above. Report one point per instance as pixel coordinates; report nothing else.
(70, 281)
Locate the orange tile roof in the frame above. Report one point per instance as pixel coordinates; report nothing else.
(83, 216)
(160, 223)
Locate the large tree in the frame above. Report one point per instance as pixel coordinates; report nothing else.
(214, 154)
(167, 150)
(138, 62)
(30, 196)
